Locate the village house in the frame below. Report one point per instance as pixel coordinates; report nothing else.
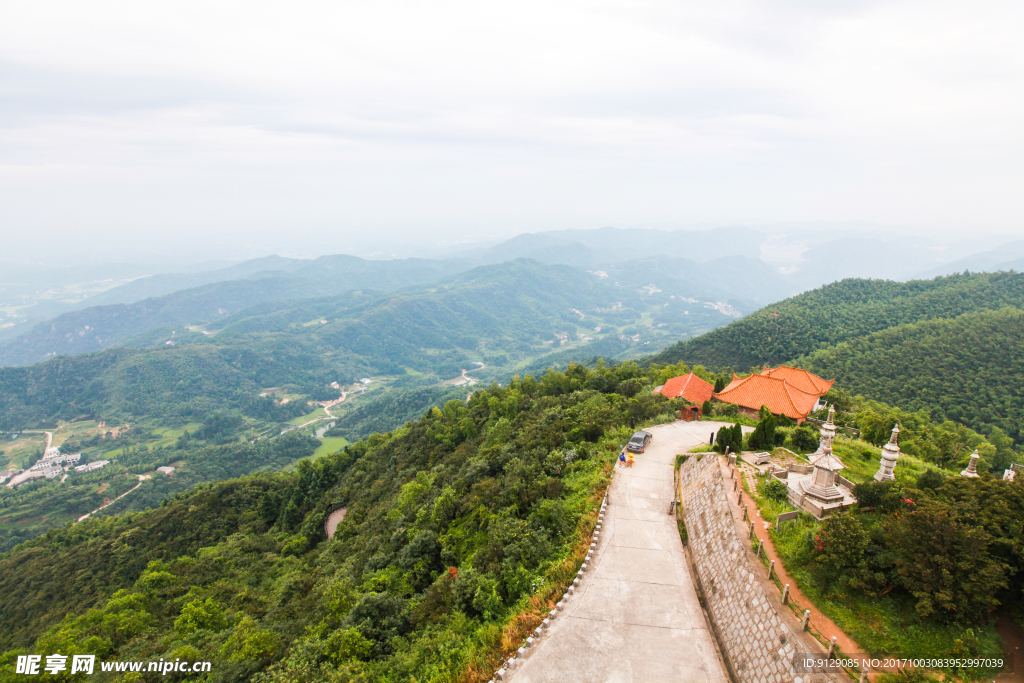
(56, 458)
(787, 391)
(92, 466)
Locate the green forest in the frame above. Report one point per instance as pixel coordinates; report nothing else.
(503, 316)
(468, 508)
(949, 346)
(823, 317)
(461, 529)
(969, 369)
(31, 509)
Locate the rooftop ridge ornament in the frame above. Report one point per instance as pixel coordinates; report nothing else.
(890, 454)
(972, 466)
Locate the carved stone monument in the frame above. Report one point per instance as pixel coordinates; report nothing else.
(890, 453)
(823, 482)
(972, 466)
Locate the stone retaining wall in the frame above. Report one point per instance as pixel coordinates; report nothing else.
(757, 643)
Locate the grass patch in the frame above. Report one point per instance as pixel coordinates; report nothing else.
(303, 419)
(330, 444)
(862, 460)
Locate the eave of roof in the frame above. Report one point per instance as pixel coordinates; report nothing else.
(774, 393)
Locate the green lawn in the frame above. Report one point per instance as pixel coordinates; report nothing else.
(169, 437)
(862, 459)
(331, 444)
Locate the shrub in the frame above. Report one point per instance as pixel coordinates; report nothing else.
(874, 494)
(946, 566)
(804, 440)
(930, 480)
(776, 490)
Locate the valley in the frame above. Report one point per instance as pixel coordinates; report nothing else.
(468, 427)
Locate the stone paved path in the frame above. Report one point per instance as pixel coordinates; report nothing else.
(635, 617)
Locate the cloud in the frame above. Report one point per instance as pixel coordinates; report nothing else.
(194, 118)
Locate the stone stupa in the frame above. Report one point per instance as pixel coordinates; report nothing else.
(823, 481)
(828, 436)
(972, 466)
(890, 454)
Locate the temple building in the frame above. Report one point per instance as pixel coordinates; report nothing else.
(787, 391)
(690, 387)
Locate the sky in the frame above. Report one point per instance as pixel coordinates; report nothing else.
(218, 129)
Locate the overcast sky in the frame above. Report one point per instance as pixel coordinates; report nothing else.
(330, 123)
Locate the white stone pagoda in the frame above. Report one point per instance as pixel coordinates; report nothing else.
(972, 466)
(822, 485)
(890, 454)
(828, 436)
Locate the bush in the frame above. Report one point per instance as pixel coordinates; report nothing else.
(870, 493)
(776, 490)
(804, 440)
(930, 480)
(839, 547)
(946, 566)
(763, 437)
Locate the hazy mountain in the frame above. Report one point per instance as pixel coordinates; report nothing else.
(502, 315)
(270, 279)
(1009, 256)
(588, 248)
(349, 272)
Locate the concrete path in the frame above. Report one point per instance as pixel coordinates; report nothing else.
(635, 617)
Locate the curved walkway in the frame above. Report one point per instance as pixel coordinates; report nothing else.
(635, 617)
(333, 520)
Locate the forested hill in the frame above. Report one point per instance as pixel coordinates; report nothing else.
(841, 311)
(116, 323)
(497, 314)
(461, 530)
(969, 369)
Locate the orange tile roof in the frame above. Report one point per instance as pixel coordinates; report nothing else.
(801, 379)
(691, 387)
(774, 393)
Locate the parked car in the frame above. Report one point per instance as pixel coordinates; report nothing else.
(638, 442)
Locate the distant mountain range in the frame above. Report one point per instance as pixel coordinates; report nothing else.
(741, 268)
(504, 315)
